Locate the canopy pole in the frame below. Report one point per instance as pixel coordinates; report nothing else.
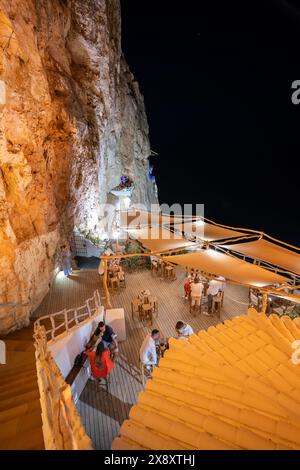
(105, 285)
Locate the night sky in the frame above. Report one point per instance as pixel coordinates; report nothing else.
(216, 77)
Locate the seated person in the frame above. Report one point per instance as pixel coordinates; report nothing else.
(196, 292)
(100, 361)
(109, 338)
(183, 330)
(148, 353)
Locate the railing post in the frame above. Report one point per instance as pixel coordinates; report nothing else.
(66, 320)
(99, 298)
(89, 308)
(53, 327)
(75, 316)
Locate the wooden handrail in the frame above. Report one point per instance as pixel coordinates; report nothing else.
(90, 306)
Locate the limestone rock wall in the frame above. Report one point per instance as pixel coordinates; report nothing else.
(72, 124)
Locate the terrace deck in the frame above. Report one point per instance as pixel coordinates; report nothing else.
(103, 413)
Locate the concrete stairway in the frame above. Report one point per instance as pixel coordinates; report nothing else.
(20, 410)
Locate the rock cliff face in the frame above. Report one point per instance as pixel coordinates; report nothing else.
(72, 123)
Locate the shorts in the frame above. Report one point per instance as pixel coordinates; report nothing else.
(195, 301)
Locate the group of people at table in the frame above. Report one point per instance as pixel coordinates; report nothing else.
(195, 286)
(102, 348)
(153, 346)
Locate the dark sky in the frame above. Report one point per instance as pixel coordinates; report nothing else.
(216, 77)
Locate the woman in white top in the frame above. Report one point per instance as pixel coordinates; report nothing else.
(196, 292)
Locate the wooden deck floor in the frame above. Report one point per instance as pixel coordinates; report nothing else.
(103, 413)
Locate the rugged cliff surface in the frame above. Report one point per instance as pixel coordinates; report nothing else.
(73, 123)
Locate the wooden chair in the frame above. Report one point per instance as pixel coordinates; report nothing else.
(114, 283)
(217, 305)
(195, 307)
(203, 303)
(143, 375)
(106, 381)
(122, 281)
(153, 302)
(135, 307)
(154, 267)
(170, 273)
(147, 313)
(222, 297)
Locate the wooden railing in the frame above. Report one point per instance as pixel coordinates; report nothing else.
(62, 426)
(58, 323)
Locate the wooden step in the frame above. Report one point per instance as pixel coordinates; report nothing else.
(22, 368)
(32, 440)
(20, 424)
(9, 377)
(17, 345)
(19, 389)
(19, 400)
(25, 334)
(19, 411)
(17, 358)
(18, 381)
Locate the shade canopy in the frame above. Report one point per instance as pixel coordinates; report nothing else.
(234, 269)
(159, 239)
(269, 252)
(206, 231)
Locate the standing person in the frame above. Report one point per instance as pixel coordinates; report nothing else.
(183, 330)
(196, 292)
(148, 354)
(187, 287)
(100, 361)
(66, 260)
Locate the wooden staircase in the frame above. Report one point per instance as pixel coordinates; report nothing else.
(20, 410)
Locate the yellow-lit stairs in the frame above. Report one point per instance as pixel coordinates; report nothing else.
(20, 410)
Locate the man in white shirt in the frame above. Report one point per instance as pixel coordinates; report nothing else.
(196, 292)
(148, 354)
(183, 330)
(215, 286)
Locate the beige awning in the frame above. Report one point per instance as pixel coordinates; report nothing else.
(206, 231)
(234, 269)
(269, 252)
(159, 239)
